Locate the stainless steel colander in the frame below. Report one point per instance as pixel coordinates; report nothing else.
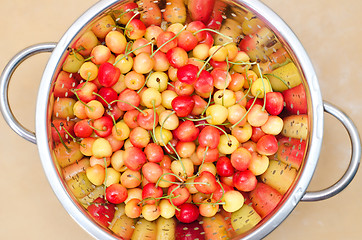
(277, 35)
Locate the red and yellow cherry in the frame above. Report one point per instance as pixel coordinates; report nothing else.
(245, 181)
(85, 91)
(61, 128)
(134, 80)
(185, 149)
(177, 57)
(178, 194)
(82, 129)
(154, 152)
(267, 145)
(100, 54)
(183, 89)
(134, 158)
(200, 105)
(128, 99)
(135, 29)
(187, 40)
(209, 137)
(183, 105)
(221, 77)
(206, 182)
(206, 154)
(152, 171)
(130, 178)
(257, 116)
(139, 137)
(242, 133)
(166, 41)
(103, 126)
(151, 212)
(273, 126)
(133, 208)
(116, 193)
(204, 84)
(208, 208)
(186, 131)
(151, 193)
(130, 118)
(274, 103)
(258, 164)
(147, 119)
(195, 26)
(108, 74)
(240, 159)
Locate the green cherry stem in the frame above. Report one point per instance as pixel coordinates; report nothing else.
(282, 80)
(61, 139)
(208, 103)
(126, 26)
(214, 31)
(153, 54)
(237, 123)
(140, 110)
(74, 139)
(222, 189)
(154, 121)
(222, 130)
(210, 57)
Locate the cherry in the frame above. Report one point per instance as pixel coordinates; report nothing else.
(134, 158)
(154, 152)
(150, 193)
(209, 137)
(183, 105)
(245, 181)
(108, 74)
(107, 95)
(187, 74)
(128, 99)
(224, 167)
(83, 129)
(103, 126)
(85, 91)
(116, 193)
(206, 182)
(267, 145)
(188, 213)
(178, 194)
(187, 40)
(186, 131)
(204, 83)
(274, 103)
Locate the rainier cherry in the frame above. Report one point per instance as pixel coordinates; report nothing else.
(108, 74)
(187, 74)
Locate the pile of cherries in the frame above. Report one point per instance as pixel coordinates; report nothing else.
(172, 124)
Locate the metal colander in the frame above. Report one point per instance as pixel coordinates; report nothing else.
(273, 52)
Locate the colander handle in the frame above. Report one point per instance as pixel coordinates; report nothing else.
(4, 86)
(354, 161)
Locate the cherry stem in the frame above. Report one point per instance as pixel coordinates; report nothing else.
(74, 139)
(148, 76)
(237, 123)
(223, 192)
(60, 138)
(214, 31)
(210, 57)
(125, 12)
(154, 121)
(203, 161)
(105, 177)
(168, 41)
(208, 103)
(126, 26)
(168, 173)
(171, 193)
(197, 119)
(97, 129)
(208, 124)
(129, 104)
(249, 89)
(161, 135)
(282, 80)
(113, 120)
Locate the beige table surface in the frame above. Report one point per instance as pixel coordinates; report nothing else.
(331, 33)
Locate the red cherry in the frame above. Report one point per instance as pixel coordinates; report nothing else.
(204, 83)
(188, 213)
(108, 94)
(103, 126)
(150, 192)
(206, 182)
(183, 105)
(116, 193)
(274, 103)
(108, 74)
(209, 137)
(83, 129)
(179, 194)
(245, 181)
(187, 74)
(134, 158)
(224, 167)
(186, 131)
